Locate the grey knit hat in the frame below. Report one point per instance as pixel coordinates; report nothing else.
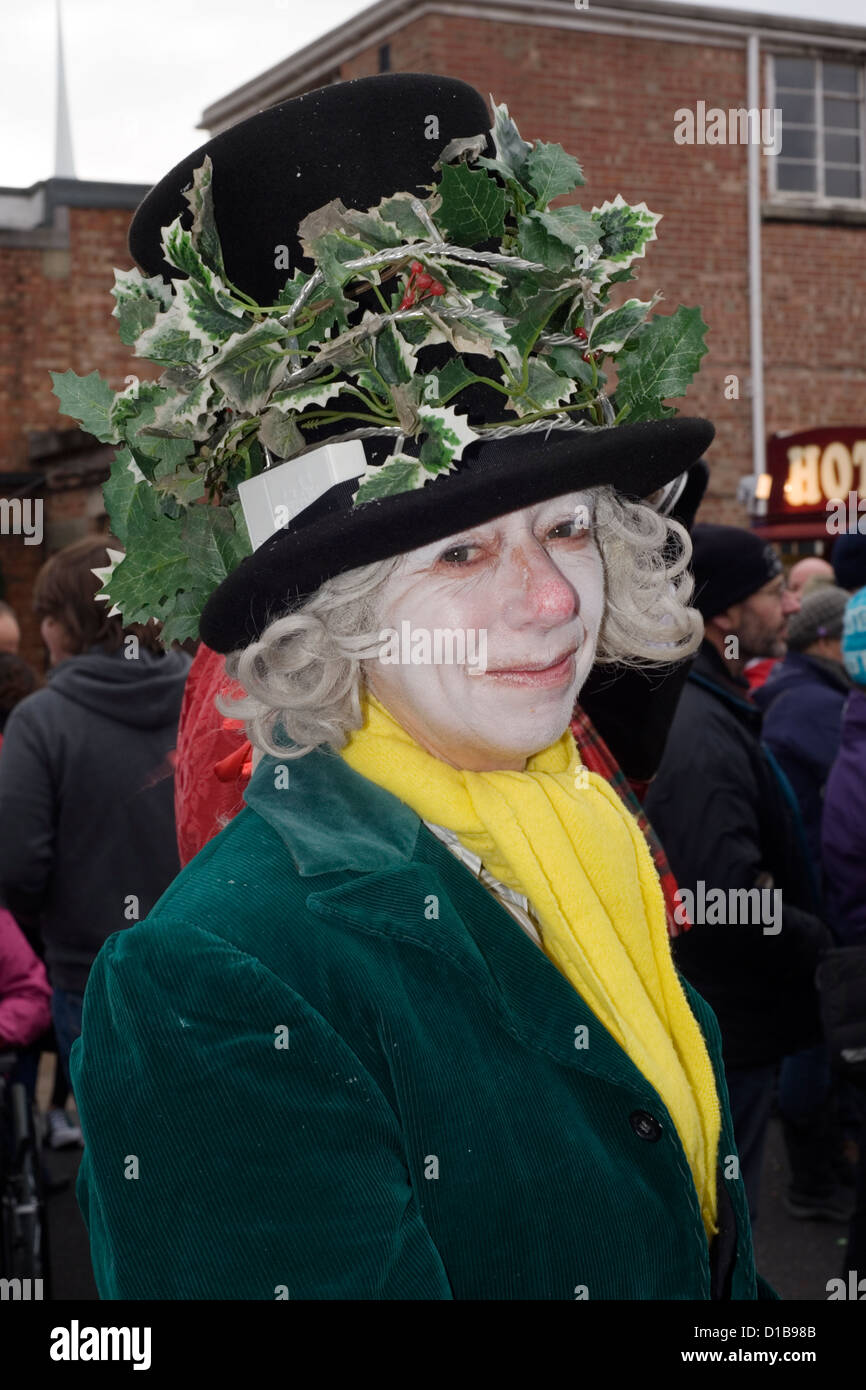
(821, 614)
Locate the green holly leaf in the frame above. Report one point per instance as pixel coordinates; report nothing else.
(292, 288)
(397, 210)
(393, 356)
(250, 364)
(611, 329)
(545, 389)
(315, 392)
(448, 381)
(668, 355)
(203, 232)
(626, 230)
(118, 489)
(470, 280)
(185, 484)
(212, 317)
(186, 414)
(155, 565)
(512, 151)
(446, 434)
(173, 339)
(399, 474)
(573, 226)
(532, 315)
(279, 433)
(179, 250)
(89, 400)
(551, 172)
(473, 205)
(568, 361)
(138, 302)
(152, 451)
(536, 243)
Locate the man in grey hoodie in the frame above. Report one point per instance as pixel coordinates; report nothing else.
(87, 834)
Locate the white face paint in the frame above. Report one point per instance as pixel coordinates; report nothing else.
(530, 586)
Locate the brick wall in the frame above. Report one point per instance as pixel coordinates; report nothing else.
(55, 314)
(611, 102)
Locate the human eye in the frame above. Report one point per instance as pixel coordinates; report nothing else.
(457, 554)
(573, 527)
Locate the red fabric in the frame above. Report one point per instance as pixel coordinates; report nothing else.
(756, 672)
(205, 801)
(25, 994)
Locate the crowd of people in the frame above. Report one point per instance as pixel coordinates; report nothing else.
(118, 767)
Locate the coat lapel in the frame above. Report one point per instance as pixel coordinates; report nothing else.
(372, 862)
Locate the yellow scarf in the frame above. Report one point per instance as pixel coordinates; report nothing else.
(579, 857)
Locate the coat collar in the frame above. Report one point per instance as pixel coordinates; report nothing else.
(382, 869)
(330, 817)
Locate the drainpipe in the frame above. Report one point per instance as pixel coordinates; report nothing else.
(756, 340)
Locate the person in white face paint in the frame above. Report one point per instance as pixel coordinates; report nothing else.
(424, 978)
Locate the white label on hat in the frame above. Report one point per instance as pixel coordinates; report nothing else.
(270, 500)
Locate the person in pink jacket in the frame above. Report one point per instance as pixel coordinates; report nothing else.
(25, 994)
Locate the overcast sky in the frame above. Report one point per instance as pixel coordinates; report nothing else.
(140, 72)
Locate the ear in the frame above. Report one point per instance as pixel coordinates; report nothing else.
(728, 620)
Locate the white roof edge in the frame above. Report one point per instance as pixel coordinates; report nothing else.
(375, 23)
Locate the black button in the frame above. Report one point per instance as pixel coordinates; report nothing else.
(645, 1126)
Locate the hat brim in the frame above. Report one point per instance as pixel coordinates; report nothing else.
(494, 478)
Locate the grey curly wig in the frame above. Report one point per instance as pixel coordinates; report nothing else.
(306, 671)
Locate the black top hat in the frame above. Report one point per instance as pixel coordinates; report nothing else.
(362, 141)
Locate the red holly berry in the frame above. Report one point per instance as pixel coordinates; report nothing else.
(436, 288)
(416, 267)
(581, 334)
(424, 281)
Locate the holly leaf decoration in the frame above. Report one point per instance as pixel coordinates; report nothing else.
(626, 230)
(250, 364)
(473, 205)
(545, 389)
(446, 435)
(611, 330)
(203, 232)
(666, 359)
(551, 172)
(138, 302)
(399, 474)
(118, 489)
(512, 151)
(89, 400)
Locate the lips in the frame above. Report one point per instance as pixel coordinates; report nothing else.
(558, 672)
(532, 666)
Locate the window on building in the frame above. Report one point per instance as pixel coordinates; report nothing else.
(822, 107)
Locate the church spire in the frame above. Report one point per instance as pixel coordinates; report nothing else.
(64, 163)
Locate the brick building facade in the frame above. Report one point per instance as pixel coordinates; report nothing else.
(608, 81)
(59, 242)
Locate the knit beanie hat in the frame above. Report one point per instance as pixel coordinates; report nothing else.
(729, 564)
(849, 561)
(854, 638)
(821, 615)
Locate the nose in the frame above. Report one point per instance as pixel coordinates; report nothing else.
(534, 590)
(791, 602)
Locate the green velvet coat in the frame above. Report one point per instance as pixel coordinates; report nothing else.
(329, 1065)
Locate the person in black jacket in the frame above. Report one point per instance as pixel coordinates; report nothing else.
(803, 702)
(729, 822)
(87, 837)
